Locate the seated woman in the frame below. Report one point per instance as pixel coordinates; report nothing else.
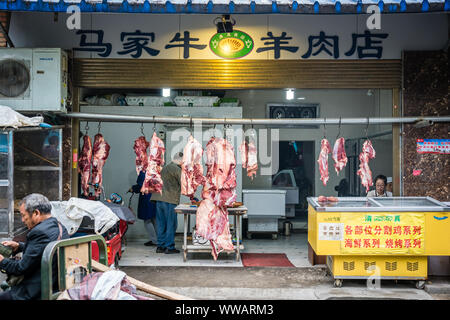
(380, 188)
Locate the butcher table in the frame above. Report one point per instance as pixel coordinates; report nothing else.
(186, 210)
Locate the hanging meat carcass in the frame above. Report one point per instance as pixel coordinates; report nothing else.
(220, 180)
(249, 157)
(153, 182)
(101, 153)
(364, 172)
(191, 168)
(323, 161)
(219, 191)
(84, 164)
(339, 155)
(212, 224)
(140, 148)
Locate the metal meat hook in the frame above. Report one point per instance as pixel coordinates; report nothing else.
(224, 128)
(367, 128)
(214, 131)
(339, 132)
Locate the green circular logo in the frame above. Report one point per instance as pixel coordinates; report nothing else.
(232, 45)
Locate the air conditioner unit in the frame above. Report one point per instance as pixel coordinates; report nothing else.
(33, 79)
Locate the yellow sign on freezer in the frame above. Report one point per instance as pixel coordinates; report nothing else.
(383, 233)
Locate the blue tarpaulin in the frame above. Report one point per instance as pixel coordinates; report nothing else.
(228, 7)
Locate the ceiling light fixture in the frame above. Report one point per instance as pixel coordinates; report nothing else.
(289, 94)
(166, 92)
(224, 23)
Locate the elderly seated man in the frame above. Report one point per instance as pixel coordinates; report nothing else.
(43, 229)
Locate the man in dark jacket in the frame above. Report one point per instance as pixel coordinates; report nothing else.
(146, 210)
(43, 229)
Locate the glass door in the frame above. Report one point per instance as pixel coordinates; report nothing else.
(6, 183)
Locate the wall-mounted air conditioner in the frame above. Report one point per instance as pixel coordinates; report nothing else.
(33, 79)
(297, 111)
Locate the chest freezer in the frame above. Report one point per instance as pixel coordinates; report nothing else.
(265, 207)
(388, 238)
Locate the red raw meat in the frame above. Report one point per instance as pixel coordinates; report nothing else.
(220, 173)
(364, 172)
(249, 157)
(212, 224)
(219, 191)
(140, 148)
(339, 155)
(101, 153)
(191, 168)
(153, 182)
(327, 199)
(84, 164)
(323, 161)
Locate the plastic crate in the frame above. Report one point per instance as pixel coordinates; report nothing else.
(192, 101)
(135, 100)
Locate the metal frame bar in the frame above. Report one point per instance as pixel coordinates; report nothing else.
(60, 164)
(11, 183)
(379, 207)
(47, 262)
(6, 35)
(374, 135)
(248, 121)
(397, 143)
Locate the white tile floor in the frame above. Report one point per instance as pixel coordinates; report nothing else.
(294, 246)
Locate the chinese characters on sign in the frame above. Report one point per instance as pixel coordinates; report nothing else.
(102, 49)
(383, 233)
(365, 45)
(136, 42)
(186, 43)
(438, 146)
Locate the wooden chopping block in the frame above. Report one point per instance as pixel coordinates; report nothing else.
(97, 266)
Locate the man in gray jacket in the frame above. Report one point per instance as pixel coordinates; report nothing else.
(166, 217)
(43, 229)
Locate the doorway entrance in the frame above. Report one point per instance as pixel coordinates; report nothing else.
(297, 161)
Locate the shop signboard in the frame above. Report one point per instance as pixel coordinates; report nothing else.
(258, 37)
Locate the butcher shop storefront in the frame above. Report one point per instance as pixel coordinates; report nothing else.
(280, 116)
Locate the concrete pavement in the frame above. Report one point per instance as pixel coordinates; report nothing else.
(311, 283)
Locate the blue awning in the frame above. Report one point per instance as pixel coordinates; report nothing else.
(228, 7)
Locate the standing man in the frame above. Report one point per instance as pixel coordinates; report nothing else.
(43, 229)
(166, 218)
(146, 210)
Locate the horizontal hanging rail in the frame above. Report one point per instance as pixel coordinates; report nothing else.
(247, 121)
